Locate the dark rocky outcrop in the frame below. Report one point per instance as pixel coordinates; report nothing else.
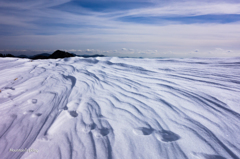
(60, 54)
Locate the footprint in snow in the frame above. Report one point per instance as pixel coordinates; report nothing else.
(29, 111)
(166, 136)
(99, 133)
(36, 115)
(32, 101)
(142, 131)
(73, 113)
(33, 115)
(88, 127)
(9, 88)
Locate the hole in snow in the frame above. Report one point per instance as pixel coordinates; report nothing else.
(142, 131)
(73, 113)
(166, 136)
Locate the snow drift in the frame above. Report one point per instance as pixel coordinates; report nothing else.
(120, 108)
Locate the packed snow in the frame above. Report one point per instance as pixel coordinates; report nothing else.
(120, 108)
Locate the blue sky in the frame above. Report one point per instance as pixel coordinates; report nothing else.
(146, 28)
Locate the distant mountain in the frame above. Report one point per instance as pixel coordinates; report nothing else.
(40, 56)
(55, 55)
(60, 54)
(6, 55)
(22, 56)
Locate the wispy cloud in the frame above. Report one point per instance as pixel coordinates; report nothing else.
(53, 24)
(185, 9)
(31, 5)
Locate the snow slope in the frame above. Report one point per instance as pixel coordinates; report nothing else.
(120, 108)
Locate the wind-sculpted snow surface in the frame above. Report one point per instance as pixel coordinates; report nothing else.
(120, 108)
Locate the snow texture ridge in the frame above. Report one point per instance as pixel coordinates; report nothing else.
(120, 108)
